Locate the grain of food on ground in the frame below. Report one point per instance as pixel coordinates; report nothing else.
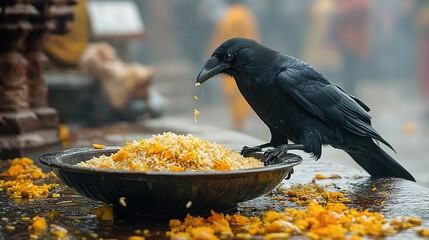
(320, 176)
(23, 168)
(10, 227)
(304, 194)
(38, 224)
(136, 238)
(54, 214)
(103, 213)
(175, 153)
(424, 232)
(34, 236)
(58, 232)
(327, 219)
(20, 180)
(98, 146)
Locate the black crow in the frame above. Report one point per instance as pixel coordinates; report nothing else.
(301, 105)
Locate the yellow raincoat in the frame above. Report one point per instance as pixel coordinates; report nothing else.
(67, 49)
(238, 21)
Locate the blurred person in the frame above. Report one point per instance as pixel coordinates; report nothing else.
(126, 89)
(320, 51)
(66, 50)
(354, 41)
(237, 21)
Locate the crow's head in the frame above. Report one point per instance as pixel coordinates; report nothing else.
(229, 58)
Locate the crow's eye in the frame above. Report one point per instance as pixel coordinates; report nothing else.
(228, 57)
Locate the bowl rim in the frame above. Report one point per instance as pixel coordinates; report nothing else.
(53, 160)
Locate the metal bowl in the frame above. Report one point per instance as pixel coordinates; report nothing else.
(170, 192)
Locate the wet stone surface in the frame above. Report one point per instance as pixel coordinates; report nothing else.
(404, 198)
(401, 198)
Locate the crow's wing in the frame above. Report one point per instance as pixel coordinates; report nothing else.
(317, 95)
(363, 105)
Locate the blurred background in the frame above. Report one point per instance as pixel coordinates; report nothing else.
(134, 60)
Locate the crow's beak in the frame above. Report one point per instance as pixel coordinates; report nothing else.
(212, 67)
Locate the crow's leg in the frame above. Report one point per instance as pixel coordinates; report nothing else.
(245, 151)
(272, 156)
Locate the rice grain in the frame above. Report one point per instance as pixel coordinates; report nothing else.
(174, 153)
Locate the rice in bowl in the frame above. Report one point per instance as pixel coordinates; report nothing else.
(174, 153)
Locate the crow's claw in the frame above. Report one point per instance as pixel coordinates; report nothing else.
(246, 151)
(273, 156)
(268, 157)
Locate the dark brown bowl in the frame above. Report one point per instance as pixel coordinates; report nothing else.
(156, 192)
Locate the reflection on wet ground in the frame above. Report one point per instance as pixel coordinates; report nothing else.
(399, 197)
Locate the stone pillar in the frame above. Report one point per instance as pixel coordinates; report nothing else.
(42, 24)
(26, 122)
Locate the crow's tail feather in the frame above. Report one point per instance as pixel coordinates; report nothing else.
(380, 164)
